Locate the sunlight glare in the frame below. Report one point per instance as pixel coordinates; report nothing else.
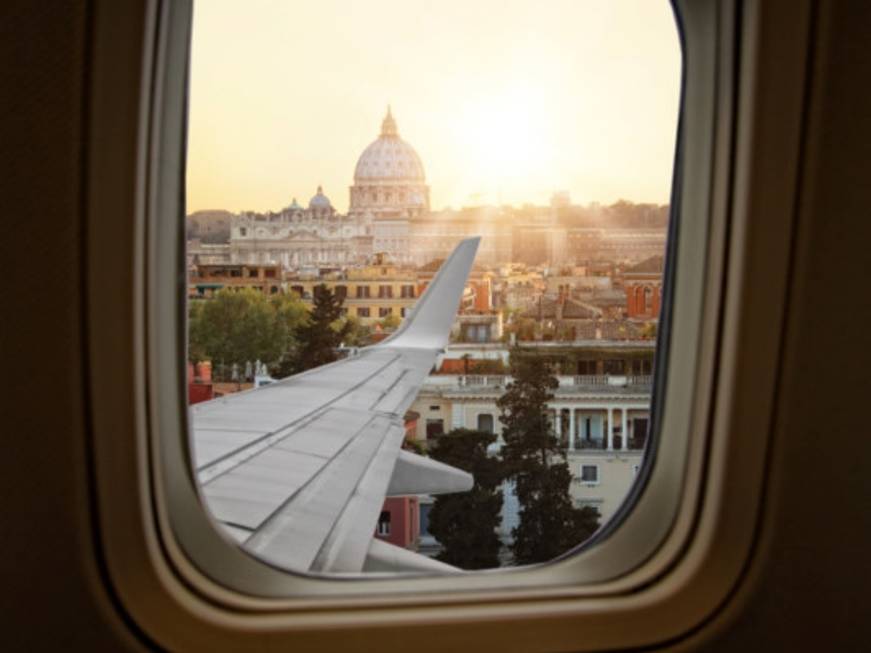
(505, 138)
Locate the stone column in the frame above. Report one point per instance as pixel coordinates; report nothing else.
(572, 429)
(610, 431)
(557, 422)
(458, 415)
(625, 428)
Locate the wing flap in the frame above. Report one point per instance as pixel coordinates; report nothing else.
(415, 474)
(345, 549)
(295, 533)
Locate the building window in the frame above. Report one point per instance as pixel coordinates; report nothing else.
(590, 474)
(385, 311)
(383, 523)
(362, 292)
(385, 292)
(485, 422)
(648, 299)
(615, 366)
(434, 428)
(587, 368)
(243, 231)
(403, 311)
(407, 291)
(424, 518)
(363, 311)
(341, 292)
(435, 407)
(639, 433)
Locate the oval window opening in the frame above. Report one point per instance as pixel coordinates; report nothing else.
(425, 253)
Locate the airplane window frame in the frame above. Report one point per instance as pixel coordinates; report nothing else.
(167, 554)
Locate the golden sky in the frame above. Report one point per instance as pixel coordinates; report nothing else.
(504, 100)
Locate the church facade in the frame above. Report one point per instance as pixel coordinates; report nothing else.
(297, 237)
(389, 192)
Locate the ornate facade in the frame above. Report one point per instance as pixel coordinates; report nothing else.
(296, 237)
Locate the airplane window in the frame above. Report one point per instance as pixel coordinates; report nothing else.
(525, 226)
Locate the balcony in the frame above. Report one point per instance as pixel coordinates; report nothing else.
(483, 380)
(614, 380)
(601, 444)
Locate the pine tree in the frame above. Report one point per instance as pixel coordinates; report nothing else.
(534, 458)
(318, 338)
(465, 523)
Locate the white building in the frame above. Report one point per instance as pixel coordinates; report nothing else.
(591, 413)
(295, 237)
(389, 190)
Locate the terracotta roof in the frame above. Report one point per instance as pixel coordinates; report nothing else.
(647, 266)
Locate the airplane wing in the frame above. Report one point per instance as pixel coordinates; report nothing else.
(297, 471)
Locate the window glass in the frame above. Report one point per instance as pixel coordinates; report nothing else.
(315, 227)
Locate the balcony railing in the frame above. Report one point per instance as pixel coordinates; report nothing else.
(601, 444)
(483, 380)
(502, 380)
(590, 379)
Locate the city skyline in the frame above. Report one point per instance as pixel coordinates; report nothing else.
(277, 110)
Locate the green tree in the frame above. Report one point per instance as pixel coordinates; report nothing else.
(318, 337)
(465, 523)
(649, 330)
(390, 322)
(234, 327)
(522, 327)
(536, 460)
(290, 316)
(357, 334)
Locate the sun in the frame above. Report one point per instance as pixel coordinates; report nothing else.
(504, 138)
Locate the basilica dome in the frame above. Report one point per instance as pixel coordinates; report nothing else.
(319, 201)
(389, 158)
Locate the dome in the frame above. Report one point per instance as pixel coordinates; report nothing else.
(389, 158)
(319, 201)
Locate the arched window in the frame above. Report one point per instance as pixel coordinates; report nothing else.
(639, 299)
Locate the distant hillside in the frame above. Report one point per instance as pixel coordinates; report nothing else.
(211, 227)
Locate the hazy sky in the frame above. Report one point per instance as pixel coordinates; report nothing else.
(502, 99)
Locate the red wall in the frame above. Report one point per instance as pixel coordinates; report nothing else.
(482, 292)
(635, 300)
(198, 392)
(404, 522)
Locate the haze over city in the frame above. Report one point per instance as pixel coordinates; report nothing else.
(506, 102)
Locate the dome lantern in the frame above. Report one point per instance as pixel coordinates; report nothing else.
(388, 125)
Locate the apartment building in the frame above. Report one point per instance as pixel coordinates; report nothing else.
(204, 280)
